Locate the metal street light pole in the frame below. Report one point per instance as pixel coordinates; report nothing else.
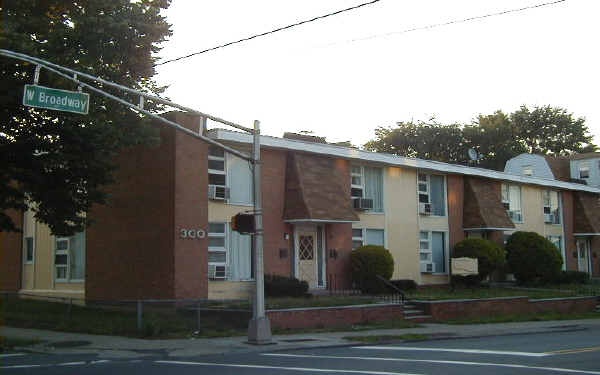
(259, 328)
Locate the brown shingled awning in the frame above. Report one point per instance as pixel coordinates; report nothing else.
(483, 208)
(586, 213)
(317, 189)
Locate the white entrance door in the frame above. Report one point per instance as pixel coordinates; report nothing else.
(583, 256)
(307, 257)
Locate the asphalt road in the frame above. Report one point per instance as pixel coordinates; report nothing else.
(572, 352)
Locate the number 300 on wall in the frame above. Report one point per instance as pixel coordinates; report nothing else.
(192, 233)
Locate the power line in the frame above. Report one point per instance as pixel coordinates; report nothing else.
(463, 20)
(270, 32)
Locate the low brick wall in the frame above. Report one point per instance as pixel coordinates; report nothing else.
(470, 308)
(317, 317)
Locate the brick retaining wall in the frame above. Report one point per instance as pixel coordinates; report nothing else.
(470, 308)
(316, 317)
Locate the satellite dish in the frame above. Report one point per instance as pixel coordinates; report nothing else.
(473, 154)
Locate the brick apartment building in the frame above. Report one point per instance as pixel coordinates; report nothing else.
(166, 232)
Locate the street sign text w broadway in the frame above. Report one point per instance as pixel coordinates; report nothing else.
(59, 100)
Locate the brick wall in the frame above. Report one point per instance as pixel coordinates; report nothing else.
(456, 192)
(134, 248)
(11, 264)
(190, 255)
(595, 256)
(339, 248)
(278, 252)
(570, 247)
(457, 309)
(333, 316)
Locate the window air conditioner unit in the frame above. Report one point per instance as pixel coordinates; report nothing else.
(427, 267)
(514, 215)
(548, 218)
(425, 208)
(217, 272)
(362, 203)
(218, 192)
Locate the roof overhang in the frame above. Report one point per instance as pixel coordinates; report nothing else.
(392, 160)
(326, 221)
(489, 228)
(585, 234)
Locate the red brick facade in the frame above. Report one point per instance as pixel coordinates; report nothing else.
(134, 248)
(456, 194)
(11, 256)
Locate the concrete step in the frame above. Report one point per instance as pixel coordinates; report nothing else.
(418, 318)
(413, 311)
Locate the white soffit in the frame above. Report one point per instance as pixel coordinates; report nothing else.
(391, 160)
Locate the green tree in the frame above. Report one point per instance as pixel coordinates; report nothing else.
(59, 161)
(551, 130)
(432, 141)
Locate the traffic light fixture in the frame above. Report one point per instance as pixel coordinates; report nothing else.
(243, 223)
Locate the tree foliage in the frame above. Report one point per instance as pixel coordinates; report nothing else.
(368, 262)
(59, 161)
(490, 256)
(496, 137)
(533, 258)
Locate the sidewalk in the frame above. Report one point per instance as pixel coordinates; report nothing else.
(123, 347)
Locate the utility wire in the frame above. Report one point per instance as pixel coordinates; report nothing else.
(469, 19)
(270, 32)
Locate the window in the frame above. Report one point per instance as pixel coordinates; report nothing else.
(362, 237)
(432, 250)
(367, 182)
(528, 170)
(69, 258)
(216, 173)
(431, 190)
(356, 187)
(551, 205)
(511, 200)
(29, 250)
(557, 241)
(217, 251)
(584, 170)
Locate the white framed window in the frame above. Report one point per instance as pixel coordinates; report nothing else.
(217, 248)
(367, 236)
(584, 170)
(425, 247)
(69, 258)
(551, 204)
(431, 192)
(557, 241)
(217, 174)
(527, 170)
(511, 200)
(29, 250)
(357, 185)
(433, 251)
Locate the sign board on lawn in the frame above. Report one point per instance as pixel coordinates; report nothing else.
(464, 266)
(59, 100)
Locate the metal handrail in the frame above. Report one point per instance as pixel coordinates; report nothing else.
(395, 288)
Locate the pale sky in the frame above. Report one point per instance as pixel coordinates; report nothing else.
(327, 78)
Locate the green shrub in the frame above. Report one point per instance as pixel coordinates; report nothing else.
(490, 256)
(283, 286)
(368, 262)
(571, 277)
(469, 281)
(404, 284)
(532, 258)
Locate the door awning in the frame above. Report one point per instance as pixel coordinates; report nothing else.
(317, 189)
(483, 207)
(586, 218)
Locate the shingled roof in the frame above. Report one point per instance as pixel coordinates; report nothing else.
(317, 189)
(587, 207)
(483, 208)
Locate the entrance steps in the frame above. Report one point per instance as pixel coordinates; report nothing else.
(414, 313)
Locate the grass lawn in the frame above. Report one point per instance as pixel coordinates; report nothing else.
(9, 343)
(550, 291)
(508, 318)
(385, 338)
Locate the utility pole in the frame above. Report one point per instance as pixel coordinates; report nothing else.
(259, 328)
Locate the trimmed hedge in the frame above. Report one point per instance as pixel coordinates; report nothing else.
(404, 284)
(533, 258)
(368, 262)
(490, 256)
(283, 286)
(572, 277)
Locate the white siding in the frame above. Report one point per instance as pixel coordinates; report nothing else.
(538, 164)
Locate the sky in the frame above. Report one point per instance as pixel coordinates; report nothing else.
(344, 76)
